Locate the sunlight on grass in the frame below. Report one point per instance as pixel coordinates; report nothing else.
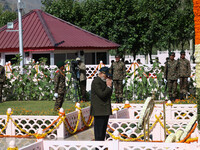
(36, 107)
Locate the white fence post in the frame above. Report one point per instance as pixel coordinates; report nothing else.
(116, 145)
(61, 128)
(10, 130)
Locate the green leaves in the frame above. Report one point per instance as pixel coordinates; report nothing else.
(6, 16)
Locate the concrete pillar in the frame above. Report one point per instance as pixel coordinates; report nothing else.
(51, 58)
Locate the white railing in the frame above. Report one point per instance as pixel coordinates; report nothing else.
(31, 124)
(177, 117)
(110, 145)
(92, 70)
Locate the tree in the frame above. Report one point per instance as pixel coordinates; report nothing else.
(6, 16)
(68, 10)
(139, 26)
(185, 24)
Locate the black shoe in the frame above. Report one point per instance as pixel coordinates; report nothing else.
(117, 100)
(181, 96)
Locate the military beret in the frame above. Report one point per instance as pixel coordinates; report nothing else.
(117, 56)
(182, 52)
(171, 53)
(105, 70)
(60, 64)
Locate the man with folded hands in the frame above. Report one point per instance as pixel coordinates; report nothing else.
(101, 92)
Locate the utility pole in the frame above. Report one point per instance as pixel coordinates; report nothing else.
(21, 52)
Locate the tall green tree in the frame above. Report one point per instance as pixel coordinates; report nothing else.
(6, 16)
(185, 23)
(139, 26)
(68, 10)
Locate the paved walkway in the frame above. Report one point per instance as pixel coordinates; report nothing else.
(87, 135)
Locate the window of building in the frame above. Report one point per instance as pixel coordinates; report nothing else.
(89, 58)
(72, 55)
(59, 57)
(101, 56)
(9, 58)
(36, 57)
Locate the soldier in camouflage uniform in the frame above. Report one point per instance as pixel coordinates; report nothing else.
(171, 76)
(59, 85)
(184, 75)
(2, 81)
(119, 73)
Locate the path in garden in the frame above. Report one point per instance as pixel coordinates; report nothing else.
(20, 142)
(87, 135)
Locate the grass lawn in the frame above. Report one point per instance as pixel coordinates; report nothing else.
(47, 107)
(36, 107)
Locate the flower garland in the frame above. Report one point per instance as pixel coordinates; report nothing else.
(196, 10)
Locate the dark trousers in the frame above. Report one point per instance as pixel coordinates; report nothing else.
(100, 126)
(172, 89)
(183, 85)
(59, 101)
(83, 90)
(1, 88)
(118, 85)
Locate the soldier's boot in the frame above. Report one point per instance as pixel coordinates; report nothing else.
(181, 96)
(172, 99)
(117, 100)
(184, 96)
(121, 100)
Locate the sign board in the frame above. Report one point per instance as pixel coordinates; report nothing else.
(10, 25)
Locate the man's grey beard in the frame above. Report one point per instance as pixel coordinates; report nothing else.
(103, 79)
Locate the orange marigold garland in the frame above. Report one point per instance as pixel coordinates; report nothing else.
(196, 10)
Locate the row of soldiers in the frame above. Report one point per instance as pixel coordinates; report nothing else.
(177, 71)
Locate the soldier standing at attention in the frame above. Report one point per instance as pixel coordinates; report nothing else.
(82, 79)
(184, 75)
(2, 81)
(171, 76)
(119, 73)
(59, 85)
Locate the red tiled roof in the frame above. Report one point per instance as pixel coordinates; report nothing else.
(44, 31)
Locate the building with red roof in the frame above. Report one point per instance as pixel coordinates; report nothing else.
(47, 36)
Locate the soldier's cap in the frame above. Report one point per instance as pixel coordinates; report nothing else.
(78, 59)
(60, 64)
(138, 59)
(105, 70)
(182, 52)
(117, 56)
(171, 54)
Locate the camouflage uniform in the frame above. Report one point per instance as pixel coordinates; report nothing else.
(171, 74)
(2, 80)
(60, 88)
(184, 73)
(82, 79)
(119, 73)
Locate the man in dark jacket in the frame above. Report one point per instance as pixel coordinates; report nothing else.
(101, 92)
(59, 85)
